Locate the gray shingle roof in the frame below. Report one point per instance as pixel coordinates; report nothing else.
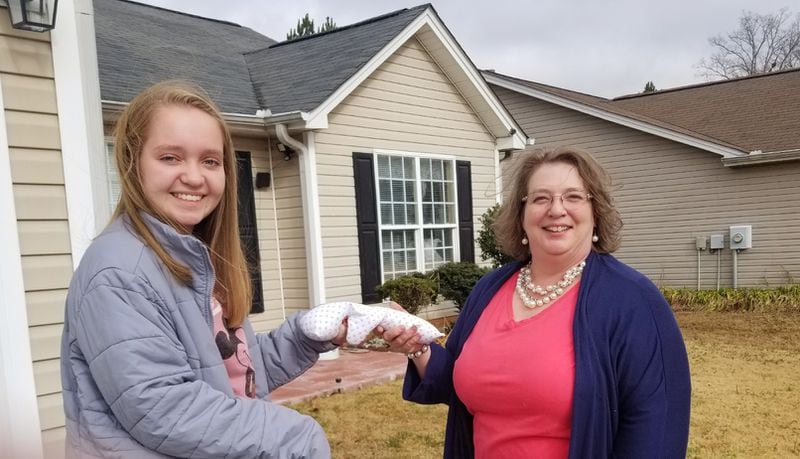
(242, 70)
(138, 45)
(760, 112)
(301, 74)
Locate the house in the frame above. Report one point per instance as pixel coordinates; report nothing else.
(364, 153)
(689, 162)
(380, 139)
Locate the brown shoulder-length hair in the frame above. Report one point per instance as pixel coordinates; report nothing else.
(508, 224)
(219, 230)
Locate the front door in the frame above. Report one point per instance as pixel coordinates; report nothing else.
(248, 232)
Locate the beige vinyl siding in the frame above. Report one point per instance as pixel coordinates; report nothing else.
(26, 71)
(406, 105)
(290, 236)
(669, 193)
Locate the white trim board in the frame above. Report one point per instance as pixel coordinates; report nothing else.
(20, 430)
(668, 134)
(82, 140)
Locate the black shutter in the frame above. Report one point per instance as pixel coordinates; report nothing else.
(248, 232)
(466, 238)
(368, 232)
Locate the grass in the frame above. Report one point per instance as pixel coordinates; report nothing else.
(745, 402)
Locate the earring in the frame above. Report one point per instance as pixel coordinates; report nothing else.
(595, 238)
(524, 241)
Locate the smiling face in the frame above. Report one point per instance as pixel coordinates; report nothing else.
(558, 234)
(181, 166)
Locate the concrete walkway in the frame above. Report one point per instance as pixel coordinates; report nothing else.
(354, 369)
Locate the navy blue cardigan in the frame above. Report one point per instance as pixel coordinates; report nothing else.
(632, 389)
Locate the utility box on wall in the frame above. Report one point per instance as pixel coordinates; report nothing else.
(717, 242)
(741, 237)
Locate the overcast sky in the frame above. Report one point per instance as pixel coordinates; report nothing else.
(602, 47)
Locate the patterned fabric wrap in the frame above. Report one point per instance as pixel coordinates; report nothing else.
(322, 322)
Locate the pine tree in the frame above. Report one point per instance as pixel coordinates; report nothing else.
(305, 27)
(649, 87)
(328, 25)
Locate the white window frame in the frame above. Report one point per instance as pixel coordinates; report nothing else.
(419, 227)
(110, 168)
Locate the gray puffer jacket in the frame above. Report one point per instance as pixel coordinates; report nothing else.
(142, 376)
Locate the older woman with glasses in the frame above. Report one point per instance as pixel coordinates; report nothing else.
(566, 352)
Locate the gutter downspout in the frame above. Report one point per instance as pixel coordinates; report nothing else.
(312, 227)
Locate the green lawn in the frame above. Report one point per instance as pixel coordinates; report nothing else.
(745, 401)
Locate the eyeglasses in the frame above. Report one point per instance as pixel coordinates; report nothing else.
(569, 200)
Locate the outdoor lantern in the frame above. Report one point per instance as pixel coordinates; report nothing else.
(33, 15)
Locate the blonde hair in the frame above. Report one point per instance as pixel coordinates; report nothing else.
(219, 230)
(608, 224)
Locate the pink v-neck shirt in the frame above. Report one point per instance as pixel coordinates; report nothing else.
(517, 378)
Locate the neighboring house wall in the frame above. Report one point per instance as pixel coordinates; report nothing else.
(669, 193)
(26, 70)
(407, 105)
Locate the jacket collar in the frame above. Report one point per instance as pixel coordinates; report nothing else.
(186, 249)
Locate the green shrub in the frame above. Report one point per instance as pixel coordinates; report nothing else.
(779, 299)
(487, 241)
(412, 291)
(457, 279)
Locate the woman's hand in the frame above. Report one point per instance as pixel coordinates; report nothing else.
(341, 338)
(400, 339)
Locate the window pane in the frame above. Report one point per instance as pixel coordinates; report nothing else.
(449, 192)
(425, 169)
(399, 214)
(387, 260)
(448, 171)
(438, 214)
(409, 168)
(438, 192)
(399, 262)
(427, 214)
(386, 191)
(410, 191)
(397, 167)
(450, 214)
(436, 168)
(397, 191)
(383, 167)
(386, 214)
(411, 214)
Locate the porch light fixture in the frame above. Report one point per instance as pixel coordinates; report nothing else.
(33, 15)
(286, 150)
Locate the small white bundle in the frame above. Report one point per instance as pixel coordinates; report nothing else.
(322, 322)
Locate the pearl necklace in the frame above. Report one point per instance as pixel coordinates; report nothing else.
(527, 289)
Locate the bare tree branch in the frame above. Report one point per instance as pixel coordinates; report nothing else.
(761, 43)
